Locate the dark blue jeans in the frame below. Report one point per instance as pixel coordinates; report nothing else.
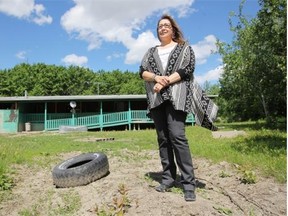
(170, 127)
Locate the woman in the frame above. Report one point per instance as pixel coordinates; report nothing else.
(168, 72)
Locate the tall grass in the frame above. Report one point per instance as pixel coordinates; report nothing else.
(262, 150)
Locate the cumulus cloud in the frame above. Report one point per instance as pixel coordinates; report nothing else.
(114, 21)
(139, 47)
(203, 49)
(210, 76)
(73, 59)
(27, 10)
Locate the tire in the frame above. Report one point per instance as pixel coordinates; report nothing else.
(80, 170)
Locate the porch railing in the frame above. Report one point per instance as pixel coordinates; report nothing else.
(54, 121)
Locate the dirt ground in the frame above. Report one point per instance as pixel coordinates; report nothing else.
(35, 194)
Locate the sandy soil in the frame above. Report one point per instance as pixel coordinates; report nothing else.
(35, 194)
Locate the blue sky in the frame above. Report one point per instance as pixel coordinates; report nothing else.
(111, 34)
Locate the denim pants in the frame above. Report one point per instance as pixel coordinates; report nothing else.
(170, 127)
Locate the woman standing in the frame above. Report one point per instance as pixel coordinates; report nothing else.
(168, 72)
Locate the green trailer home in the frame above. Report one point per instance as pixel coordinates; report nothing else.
(96, 112)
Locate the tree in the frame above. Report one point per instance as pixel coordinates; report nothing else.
(4, 85)
(40, 79)
(211, 89)
(254, 80)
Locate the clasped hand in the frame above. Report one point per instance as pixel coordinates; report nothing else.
(161, 82)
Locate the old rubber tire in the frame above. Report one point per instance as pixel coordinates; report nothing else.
(80, 170)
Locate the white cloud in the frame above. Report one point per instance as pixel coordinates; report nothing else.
(203, 49)
(40, 19)
(116, 21)
(140, 45)
(27, 10)
(21, 55)
(114, 55)
(210, 76)
(73, 59)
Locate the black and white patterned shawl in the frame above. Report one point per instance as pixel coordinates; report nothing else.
(185, 95)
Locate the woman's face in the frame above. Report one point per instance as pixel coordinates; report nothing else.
(165, 30)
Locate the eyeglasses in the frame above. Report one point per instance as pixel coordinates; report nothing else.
(165, 25)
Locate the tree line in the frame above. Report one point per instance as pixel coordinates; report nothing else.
(41, 79)
(252, 86)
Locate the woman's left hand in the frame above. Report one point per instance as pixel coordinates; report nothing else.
(158, 87)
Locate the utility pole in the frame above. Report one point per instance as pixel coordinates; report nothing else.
(98, 86)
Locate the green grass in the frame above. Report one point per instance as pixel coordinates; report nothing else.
(261, 150)
(68, 203)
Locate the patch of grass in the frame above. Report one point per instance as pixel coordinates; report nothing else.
(252, 212)
(249, 177)
(68, 204)
(249, 125)
(177, 190)
(262, 150)
(224, 174)
(279, 124)
(6, 182)
(148, 179)
(17, 149)
(224, 211)
(29, 212)
(203, 192)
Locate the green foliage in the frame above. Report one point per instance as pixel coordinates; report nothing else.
(119, 206)
(42, 80)
(249, 177)
(117, 82)
(224, 211)
(6, 182)
(71, 203)
(267, 142)
(211, 89)
(68, 203)
(261, 149)
(223, 174)
(253, 84)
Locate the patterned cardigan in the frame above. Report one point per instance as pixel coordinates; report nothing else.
(185, 95)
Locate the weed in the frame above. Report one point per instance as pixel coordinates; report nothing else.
(149, 179)
(27, 212)
(252, 212)
(249, 177)
(121, 203)
(6, 183)
(119, 206)
(223, 174)
(223, 210)
(176, 190)
(71, 204)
